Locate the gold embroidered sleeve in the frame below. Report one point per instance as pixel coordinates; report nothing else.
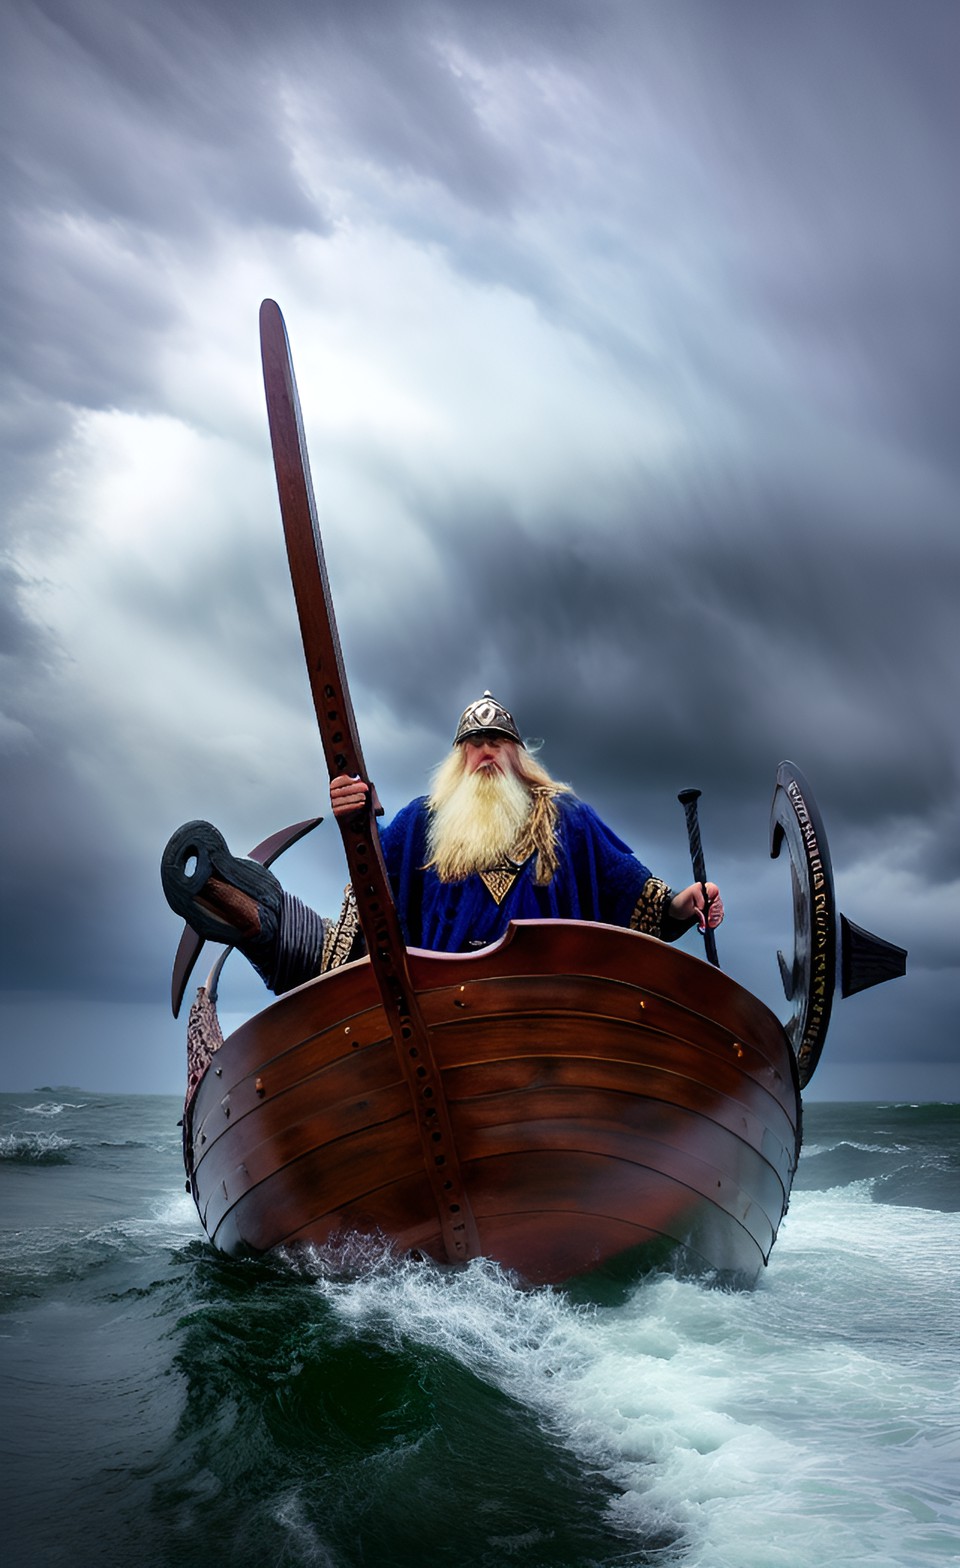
(648, 916)
(204, 1038)
(339, 934)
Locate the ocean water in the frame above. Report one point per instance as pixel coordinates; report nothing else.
(163, 1405)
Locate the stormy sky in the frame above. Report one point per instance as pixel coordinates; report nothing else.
(626, 336)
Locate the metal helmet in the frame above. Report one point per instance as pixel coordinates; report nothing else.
(486, 717)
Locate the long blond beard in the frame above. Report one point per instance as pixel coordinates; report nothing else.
(480, 820)
(475, 819)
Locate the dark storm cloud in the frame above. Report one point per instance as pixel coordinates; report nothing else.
(833, 132)
(745, 213)
(813, 149)
(700, 637)
(63, 867)
(131, 133)
(158, 118)
(127, 135)
(701, 648)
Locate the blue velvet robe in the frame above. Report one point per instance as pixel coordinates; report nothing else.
(597, 878)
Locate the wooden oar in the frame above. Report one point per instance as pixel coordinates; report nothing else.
(688, 799)
(341, 746)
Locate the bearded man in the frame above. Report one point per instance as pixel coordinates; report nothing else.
(496, 840)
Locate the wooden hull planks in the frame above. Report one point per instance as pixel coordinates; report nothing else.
(605, 1092)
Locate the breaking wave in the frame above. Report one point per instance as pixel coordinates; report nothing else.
(35, 1148)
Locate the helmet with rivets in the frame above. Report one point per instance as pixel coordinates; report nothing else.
(486, 716)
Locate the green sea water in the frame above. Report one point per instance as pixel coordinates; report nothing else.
(163, 1405)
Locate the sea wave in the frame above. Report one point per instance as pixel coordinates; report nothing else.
(33, 1260)
(711, 1431)
(357, 1407)
(35, 1148)
(894, 1173)
(52, 1107)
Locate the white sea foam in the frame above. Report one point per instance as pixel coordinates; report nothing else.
(808, 1422)
(51, 1107)
(33, 1145)
(171, 1221)
(813, 1421)
(869, 1148)
(291, 1514)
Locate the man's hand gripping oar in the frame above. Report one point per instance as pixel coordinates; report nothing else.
(708, 908)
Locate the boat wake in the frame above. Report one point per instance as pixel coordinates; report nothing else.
(712, 1439)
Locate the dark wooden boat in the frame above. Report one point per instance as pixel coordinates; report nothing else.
(573, 1095)
(604, 1091)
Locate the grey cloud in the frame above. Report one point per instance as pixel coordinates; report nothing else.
(154, 118)
(846, 200)
(813, 165)
(749, 211)
(129, 137)
(728, 639)
(63, 870)
(20, 638)
(31, 428)
(158, 125)
(82, 332)
(400, 102)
